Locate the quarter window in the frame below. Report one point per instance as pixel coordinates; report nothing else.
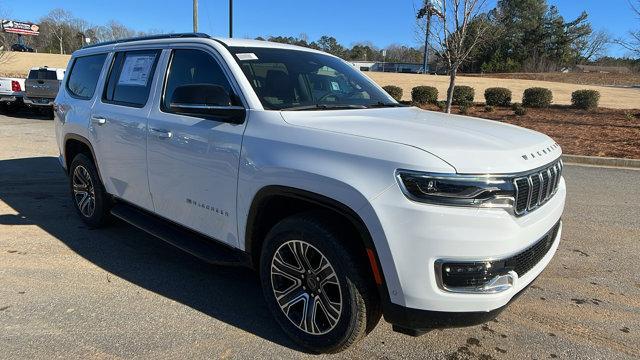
(84, 75)
(190, 67)
(130, 77)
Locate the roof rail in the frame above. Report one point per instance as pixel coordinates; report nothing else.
(151, 37)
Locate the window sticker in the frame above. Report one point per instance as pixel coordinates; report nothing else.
(335, 86)
(136, 70)
(246, 56)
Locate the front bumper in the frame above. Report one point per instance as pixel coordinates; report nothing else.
(419, 235)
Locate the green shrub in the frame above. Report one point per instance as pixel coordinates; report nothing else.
(497, 96)
(519, 110)
(424, 95)
(463, 95)
(585, 99)
(464, 108)
(537, 97)
(394, 91)
(442, 105)
(488, 108)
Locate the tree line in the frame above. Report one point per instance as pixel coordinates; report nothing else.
(517, 36)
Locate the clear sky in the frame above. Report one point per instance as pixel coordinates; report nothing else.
(383, 22)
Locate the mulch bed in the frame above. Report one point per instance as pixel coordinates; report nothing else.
(601, 132)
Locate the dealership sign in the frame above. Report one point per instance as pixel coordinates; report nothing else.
(19, 27)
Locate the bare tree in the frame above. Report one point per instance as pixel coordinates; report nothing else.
(596, 45)
(5, 44)
(114, 31)
(633, 42)
(59, 21)
(459, 27)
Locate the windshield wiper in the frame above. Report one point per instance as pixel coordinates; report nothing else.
(380, 104)
(324, 107)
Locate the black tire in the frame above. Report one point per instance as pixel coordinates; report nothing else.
(99, 216)
(360, 306)
(50, 113)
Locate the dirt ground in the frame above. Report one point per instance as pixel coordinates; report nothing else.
(615, 98)
(117, 293)
(602, 132)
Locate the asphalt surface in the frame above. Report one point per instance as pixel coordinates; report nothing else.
(70, 292)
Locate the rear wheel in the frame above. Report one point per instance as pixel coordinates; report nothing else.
(314, 285)
(90, 199)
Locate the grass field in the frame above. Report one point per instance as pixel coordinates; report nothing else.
(14, 64)
(604, 79)
(18, 65)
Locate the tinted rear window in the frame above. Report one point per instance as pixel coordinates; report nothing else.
(130, 78)
(84, 75)
(42, 74)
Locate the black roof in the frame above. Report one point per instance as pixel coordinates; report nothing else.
(151, 37)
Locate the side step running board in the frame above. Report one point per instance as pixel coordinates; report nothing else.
(206, 249)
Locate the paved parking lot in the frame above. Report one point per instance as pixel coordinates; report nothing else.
(70, 292)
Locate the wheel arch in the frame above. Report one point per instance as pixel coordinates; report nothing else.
(261, 217)
(76, 144)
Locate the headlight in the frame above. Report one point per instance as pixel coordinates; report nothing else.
(457, 190)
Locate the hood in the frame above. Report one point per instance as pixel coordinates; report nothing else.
(470, 145)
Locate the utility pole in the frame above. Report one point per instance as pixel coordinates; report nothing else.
(425, 66)
(428, 11)
(195, 16)
(230, 18)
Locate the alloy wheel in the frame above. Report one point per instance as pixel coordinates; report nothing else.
(306, 287)
(83, 191)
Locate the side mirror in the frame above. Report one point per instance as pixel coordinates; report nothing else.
(206, 100)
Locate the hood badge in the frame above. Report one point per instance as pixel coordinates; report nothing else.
(541, 152)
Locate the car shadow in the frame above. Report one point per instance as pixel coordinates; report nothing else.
(24, 112)
(37, 189)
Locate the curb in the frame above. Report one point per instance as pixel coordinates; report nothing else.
(601, 161)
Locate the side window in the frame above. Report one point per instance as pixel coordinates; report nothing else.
(130, 78)
(84, 75)
(192, 67)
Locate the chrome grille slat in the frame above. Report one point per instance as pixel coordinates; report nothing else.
(535, 189)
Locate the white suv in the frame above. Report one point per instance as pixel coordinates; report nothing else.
(349, 205)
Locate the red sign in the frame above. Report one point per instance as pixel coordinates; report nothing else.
(18, 27)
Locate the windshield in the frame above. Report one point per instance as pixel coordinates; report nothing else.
(287, 79)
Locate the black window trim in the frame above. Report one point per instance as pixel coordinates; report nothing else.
(104, 99)
(229, 79)
(66, 84)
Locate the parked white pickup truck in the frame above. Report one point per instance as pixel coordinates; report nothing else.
(11, 93)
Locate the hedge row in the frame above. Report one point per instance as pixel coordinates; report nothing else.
(535, 97)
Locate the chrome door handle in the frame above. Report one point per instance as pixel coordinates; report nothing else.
(98, 120)
(161, 133)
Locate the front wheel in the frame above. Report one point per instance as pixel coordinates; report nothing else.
(314, 285)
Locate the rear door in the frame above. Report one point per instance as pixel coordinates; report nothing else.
(193, 160)
(42, 83)
(119, 124)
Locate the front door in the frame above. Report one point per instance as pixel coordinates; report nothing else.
(119, 125)
(193, 160)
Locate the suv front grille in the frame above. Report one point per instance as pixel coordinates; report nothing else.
(536, 188)
(475, 274)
